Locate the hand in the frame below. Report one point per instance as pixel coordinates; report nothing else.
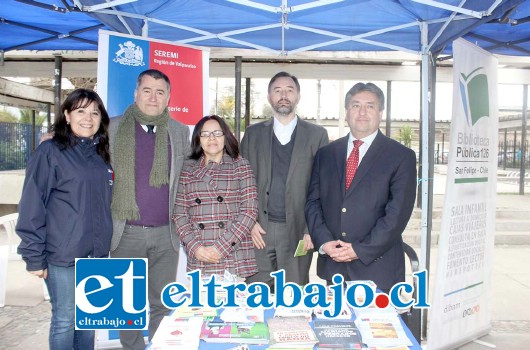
(205, 254)
(213, 252)
(256, 233)
(346, 253)
(340, 251)
(40, 273)
(308, 244)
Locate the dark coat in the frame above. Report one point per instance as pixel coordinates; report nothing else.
(64, 211)
(371, 215)
(256, 146)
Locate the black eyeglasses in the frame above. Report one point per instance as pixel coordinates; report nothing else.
(216, 133)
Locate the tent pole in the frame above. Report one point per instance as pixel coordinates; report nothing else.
(49, 116)
(145, 29)
(523, 140)
(237, 113)
(431, 125)
(58, 72)
(247, 102)
(319, 96)
(388, 108)
(427, 153)
(33, 131)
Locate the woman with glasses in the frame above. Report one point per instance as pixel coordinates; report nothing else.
(216, 204)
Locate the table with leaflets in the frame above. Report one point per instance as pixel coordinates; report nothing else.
(269, 313)
(226, 328)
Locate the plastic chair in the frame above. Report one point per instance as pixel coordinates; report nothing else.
(8, 252)
(9, 222)
(413, 316)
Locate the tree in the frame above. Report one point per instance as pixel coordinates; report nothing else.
(226, 106)
(405, 135)
(225, 101)
(267, 110)
(7, 117)
(25, 117)
(232, 123)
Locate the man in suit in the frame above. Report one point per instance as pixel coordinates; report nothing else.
(356, 225)
(148, 149)
(281, 152)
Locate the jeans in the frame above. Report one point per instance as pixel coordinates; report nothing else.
(63, 336)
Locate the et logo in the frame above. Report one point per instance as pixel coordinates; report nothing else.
(111, 294)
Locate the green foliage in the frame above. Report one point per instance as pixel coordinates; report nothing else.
(225, 102)
(8, 117)
(25, 117)
(232, 123)
(405, 135)
(226, 107)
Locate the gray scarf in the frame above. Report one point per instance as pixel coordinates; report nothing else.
(124, 206)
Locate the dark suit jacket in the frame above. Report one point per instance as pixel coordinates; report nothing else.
(256, 147)
(371, 215)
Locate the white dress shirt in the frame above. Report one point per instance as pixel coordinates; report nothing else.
(284, 132)
(145, 128)
(367, 142)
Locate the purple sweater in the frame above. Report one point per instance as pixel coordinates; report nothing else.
(153, 202)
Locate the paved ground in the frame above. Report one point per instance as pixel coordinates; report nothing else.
(25, 327)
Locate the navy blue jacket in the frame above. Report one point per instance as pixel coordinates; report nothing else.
(371, 215)
(64, 212)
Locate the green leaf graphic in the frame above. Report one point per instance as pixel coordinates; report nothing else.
(475, 95)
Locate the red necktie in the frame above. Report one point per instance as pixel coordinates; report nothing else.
(352, 163)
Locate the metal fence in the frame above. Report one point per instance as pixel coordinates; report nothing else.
(17, 144)
(510, 154)
(17, 141)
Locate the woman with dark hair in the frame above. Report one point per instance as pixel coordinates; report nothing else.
(216, 204)
(64, 211)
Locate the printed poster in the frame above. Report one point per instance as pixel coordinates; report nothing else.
(461, 307)
(122, 57)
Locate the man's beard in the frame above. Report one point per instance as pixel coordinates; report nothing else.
(283, 109)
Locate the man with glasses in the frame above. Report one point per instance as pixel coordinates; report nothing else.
(148, 149)
(281, 152)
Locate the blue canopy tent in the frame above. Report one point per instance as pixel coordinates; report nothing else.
(284, 28)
